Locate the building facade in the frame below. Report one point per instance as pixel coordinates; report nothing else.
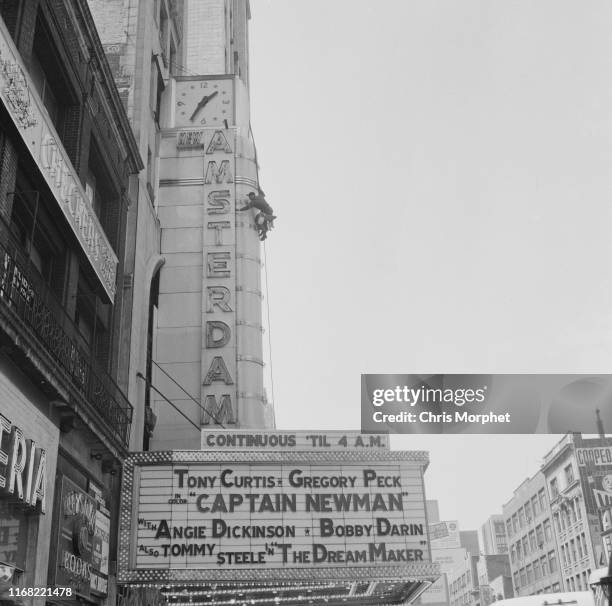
(66, 156)
(579, 485)
(208, 328)
(463, 582)
(534, 556)
(143, 42)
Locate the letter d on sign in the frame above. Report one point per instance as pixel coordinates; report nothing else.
(214, 339)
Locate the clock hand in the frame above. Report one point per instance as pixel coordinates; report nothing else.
(202, 103)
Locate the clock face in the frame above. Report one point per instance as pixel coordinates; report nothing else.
(204, 103)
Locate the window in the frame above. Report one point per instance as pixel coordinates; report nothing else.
(554, 488)
(535, 506)
(532, 540)
(537, 573)
(539, 535)
(515, 522)
(33, 227)
(45, 91)
(512, 554)
(523, 576)
(509, 528)
(584, 544)
(515, 578)
(528, 515)
(156, 90)
(542, 499)
(529, 574)
(572, 510)
(547, 530)
(525, 546)
(521, 516)
(105, 200)
(578, 509)
(92, 318)
(48, 79)
(14, 533)
(569, 475)
(556, 588)
(544, 564)
(552, 561)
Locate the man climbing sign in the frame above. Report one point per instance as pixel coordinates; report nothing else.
(264, 220)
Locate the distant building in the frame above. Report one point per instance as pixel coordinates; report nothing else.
(501, 588)
(493, 535)
(534, 558)
(463, 582)
(433, 511)
(490, 568)
(468, 539)
(470, 583)
(446, 551)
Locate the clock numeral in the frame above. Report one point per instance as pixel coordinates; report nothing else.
(225, 101)
(203, 121)
(180, 103)
(203, 84)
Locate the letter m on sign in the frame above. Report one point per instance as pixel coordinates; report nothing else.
(218, 174)
(216, 413)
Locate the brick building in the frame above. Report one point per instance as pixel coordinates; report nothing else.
(66, 155)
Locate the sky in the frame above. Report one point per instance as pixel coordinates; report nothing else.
(441, 175)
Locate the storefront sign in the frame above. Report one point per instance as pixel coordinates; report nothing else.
(100, 542)
(23, 467)
(82, 534)
(303, 515)
(35, 127)
(291, 440)
(594, 456)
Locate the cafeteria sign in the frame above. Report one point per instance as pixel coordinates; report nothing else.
(238, 516)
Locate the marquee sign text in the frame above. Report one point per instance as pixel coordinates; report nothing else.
(279, 516)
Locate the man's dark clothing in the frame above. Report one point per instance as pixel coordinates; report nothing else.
(258, 202)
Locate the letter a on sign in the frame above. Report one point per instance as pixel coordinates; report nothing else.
(218, 372)
(218, 143)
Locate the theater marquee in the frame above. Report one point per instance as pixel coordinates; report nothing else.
(276, 517)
